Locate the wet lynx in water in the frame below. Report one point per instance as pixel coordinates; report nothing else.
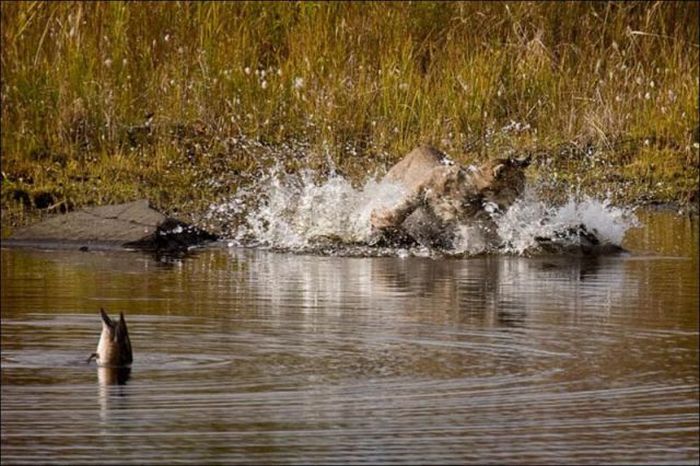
(441, 195)
(114, 347)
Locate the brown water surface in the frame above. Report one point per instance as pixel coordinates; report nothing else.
(251, 356)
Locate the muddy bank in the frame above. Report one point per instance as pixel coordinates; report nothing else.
(133, 225)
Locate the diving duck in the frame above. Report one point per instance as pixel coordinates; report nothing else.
(114, 347)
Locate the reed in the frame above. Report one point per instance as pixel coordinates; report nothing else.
(353, 84)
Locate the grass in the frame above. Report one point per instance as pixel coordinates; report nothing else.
(604, 94)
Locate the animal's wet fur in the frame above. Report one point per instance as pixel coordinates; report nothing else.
(442, 194)
(114, 347)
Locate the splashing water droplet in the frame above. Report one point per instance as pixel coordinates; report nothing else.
(305, 212)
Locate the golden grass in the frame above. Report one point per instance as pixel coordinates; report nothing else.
(358, 84)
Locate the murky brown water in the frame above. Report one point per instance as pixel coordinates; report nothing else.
(256, 357)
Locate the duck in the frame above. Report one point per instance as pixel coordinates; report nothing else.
(114, 347)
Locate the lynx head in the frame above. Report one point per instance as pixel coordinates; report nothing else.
(501, 181)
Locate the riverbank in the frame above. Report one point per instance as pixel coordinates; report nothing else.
(104, 103)
(187, 189)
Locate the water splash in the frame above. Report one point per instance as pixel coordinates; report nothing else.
(306, 212)
(529, 219)
(299, 212)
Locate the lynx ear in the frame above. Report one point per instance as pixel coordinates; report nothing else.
(523, 162)
(498, 169)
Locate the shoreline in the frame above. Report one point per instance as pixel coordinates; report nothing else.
(36, 216)
(17, 213)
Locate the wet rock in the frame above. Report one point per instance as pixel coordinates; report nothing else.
(131, 225)
(172, 235)
(577, 240)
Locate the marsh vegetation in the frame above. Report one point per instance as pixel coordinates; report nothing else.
(182, 102)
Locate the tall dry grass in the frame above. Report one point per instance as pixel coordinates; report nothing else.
(359, 82)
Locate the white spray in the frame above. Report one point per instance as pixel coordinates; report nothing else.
(298, 212)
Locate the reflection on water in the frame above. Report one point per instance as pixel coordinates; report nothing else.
(250, 356)
(111, 394)
(113, 375)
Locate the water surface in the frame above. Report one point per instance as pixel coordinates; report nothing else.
(251, 356)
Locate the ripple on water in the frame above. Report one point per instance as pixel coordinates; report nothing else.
(267, 358)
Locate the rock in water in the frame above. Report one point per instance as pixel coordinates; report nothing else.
(132, 225)
(576, 240)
